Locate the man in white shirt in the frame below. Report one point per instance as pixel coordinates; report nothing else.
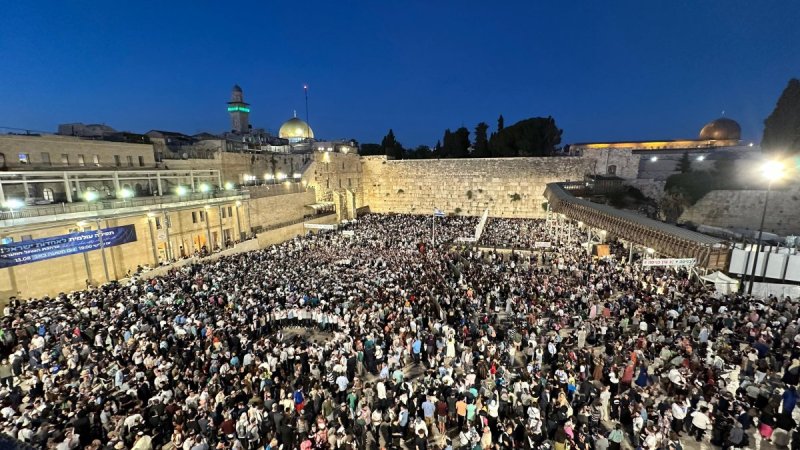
(700, 423)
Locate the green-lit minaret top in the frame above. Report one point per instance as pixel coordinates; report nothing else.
(239, 111)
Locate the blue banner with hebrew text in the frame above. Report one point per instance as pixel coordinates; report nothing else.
(26, 252)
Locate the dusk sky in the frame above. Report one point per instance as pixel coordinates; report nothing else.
(612, 70)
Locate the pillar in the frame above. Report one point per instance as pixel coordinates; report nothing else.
(67, 188)
(116, 183)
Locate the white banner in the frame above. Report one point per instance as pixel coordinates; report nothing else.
(466, 239)
(542, 245)
(669, 262)
(348, 233)
(320, 226)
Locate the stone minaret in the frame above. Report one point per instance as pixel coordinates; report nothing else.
(239, 111)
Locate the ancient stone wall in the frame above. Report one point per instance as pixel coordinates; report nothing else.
(622, 163)
(742, 209)
(509, 187)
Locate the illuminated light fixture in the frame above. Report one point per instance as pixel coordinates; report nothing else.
(653, 158)
(151, 214)
(281, 176)
(90, 196)
(125, 193)
(238, 203)
(297, 175)
(701, 158)
(750, 144)
(580, 224)
(238, 108)
(229, 186)
(204, 188)
(82, 223)
(650, 250)
(14, 203)
(268, 176)
(772, 170)
(181, 191)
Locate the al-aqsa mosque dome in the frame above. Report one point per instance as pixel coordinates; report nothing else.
(722, 129)
(295, 130)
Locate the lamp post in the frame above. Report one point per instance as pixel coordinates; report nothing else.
(14, 204)
(772, 171)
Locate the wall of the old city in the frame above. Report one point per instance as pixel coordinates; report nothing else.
(509, 187)
(742, 209)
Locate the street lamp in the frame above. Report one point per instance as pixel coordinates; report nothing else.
(770, 171)
(204, 188)
(181, 191)
(228, 186)
(90, 196)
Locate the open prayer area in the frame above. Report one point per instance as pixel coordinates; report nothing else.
(373, 337)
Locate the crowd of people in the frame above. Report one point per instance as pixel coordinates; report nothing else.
(381, 339)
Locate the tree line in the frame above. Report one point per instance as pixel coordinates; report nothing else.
(536, 136)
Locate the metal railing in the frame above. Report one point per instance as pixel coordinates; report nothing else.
(109, 204)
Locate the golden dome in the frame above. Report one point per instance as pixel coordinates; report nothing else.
(295, 129)
(720, 130)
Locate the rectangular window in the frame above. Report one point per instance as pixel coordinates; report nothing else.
(230, 211)
(64, 159)
(24, 158)
(222, 212)
(117, 161)
(202, 216)
(158, 223)
(349, 182)
(141, 161)
(194, 216)
(130, 161)
(96, 160)
(81, 161)
(45, 159)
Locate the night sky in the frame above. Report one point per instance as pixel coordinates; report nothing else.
(612, 70)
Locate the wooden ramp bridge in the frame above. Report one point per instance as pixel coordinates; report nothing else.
(661, 239)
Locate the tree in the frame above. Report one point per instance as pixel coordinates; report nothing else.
(481, 141)
(685, 164)
(371, 149)
(500, 123)
(448, 144)
(672, 205)
(537, 136)
(782, 127)
(391, 147)
(461, 143)
(421, 152)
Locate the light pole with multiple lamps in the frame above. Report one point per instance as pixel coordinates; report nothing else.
(771, 171)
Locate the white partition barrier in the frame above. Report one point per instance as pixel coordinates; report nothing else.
(779, 264)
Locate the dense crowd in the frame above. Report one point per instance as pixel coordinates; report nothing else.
(413, 345)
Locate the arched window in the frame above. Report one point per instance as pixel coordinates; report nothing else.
(47, 194)
(612, 170)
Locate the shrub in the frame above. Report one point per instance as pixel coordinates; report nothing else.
(515, 197)
(400, 191)
(469, 195)
(458, 211)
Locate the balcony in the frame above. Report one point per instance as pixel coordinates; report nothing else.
(30, 215)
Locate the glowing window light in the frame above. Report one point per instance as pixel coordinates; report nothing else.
(238, 108)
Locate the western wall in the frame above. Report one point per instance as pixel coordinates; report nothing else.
(509, 187)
